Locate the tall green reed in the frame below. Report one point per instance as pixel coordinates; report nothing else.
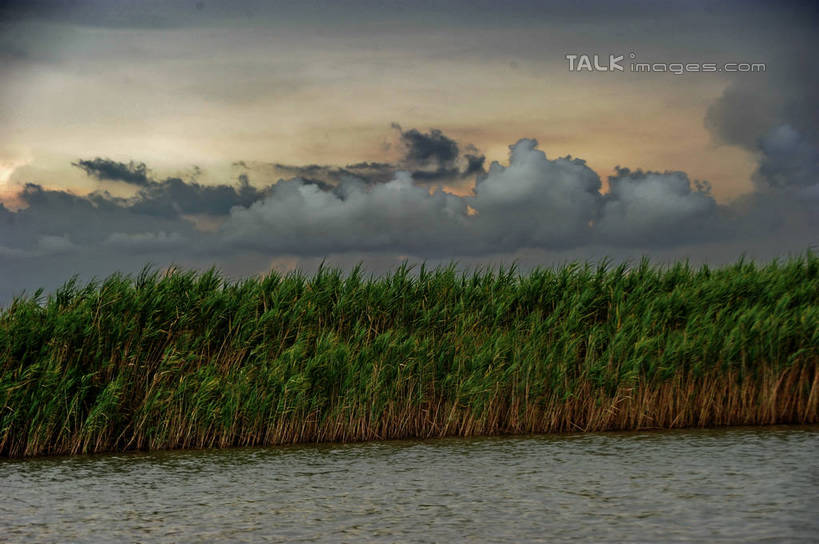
(186, 359)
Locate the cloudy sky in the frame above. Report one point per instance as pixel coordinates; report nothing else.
(254, 135)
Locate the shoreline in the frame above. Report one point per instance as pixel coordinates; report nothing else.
(760, 427)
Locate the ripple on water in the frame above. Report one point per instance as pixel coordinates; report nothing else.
(732, 485)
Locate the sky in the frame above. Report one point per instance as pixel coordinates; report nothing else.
(252, 135)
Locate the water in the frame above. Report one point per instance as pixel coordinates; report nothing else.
(735, 485)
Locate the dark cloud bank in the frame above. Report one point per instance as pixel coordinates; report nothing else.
(431, 158)
(535, 209)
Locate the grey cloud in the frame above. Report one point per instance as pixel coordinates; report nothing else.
(84, 220)
(656, 209)
(431, 158)
(474, 164)
(106, 169)
(434, 157)
(532, 204)
(787, 158)
(535, 201)
(174, 196)
(432, 147)
(741, 115)
(372, 172)
(326, 176)
(774, 116)
(394, 216)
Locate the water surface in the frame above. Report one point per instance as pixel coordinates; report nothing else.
(735, 485)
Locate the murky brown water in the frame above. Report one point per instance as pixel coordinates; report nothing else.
(739, 485)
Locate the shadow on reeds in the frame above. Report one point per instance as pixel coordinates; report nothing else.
(182, 359)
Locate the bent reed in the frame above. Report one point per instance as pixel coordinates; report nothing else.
(189, 360)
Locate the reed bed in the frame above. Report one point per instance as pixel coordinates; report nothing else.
(182, 359)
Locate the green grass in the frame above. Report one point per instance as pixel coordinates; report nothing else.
(185, 359)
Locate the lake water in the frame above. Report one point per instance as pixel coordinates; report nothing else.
(734, 485)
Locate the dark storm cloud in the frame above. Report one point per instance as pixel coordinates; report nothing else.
(372, 172)
(775, 116)
(434, 157)
(79, 221)
(428, 148)
(788, 158)
(534, 202)
(656, 209)
(106, 169)
(327, 176)
(474, 164)
(172, 196)
(431, 158)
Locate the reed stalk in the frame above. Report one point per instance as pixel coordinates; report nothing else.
(189, 360)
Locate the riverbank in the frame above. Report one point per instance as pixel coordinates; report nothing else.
(180, 359)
